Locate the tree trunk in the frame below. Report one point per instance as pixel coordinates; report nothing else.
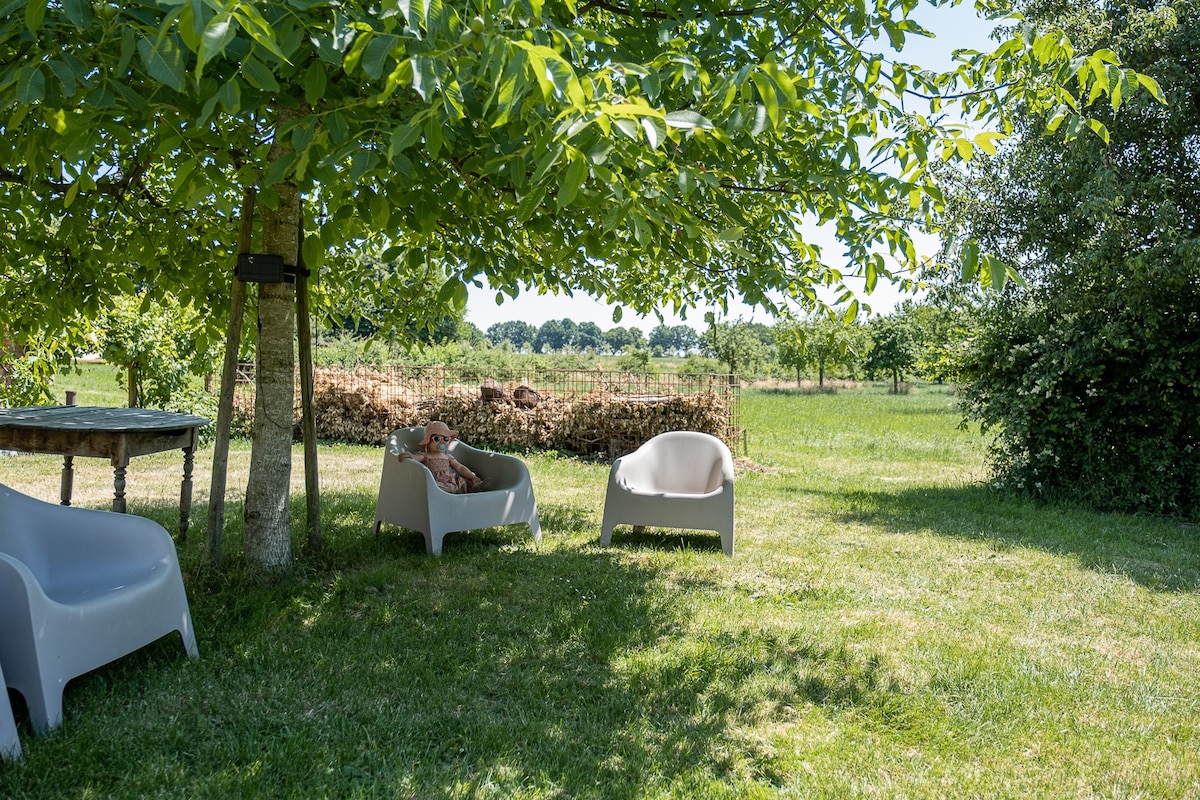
(267, 538)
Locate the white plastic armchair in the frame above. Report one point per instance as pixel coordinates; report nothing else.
(409, 497)
(10, 744)
(80, 588)
(677, 479)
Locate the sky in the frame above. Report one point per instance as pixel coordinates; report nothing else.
(953, 28)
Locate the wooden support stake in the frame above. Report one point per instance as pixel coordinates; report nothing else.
(308, 421)
(233, 343)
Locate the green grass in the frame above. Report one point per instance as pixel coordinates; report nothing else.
(888, 628)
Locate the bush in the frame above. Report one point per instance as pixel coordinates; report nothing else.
(1094, 400)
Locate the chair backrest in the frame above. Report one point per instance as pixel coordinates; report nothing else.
(687, 462)
(19, 534)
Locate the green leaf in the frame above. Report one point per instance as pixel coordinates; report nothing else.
(314, 253)
(655, 132)
(424, 80)
(315, 83)
(626, 126)
(230, 95)
(530, 203)
(548, 160)
(163, 61)
(375, 55)
(454, 293)
(339, 129)
(689, 120)
(259, 76)
(577, 171)
(31, 85)
(35, 14)
(404, 137)
(433, 136)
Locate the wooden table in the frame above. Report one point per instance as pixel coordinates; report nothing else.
(117, 434)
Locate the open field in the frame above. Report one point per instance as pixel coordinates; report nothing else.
(888, 628)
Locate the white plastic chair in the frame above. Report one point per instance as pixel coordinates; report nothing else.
(10, 744)
(80, 588)
(677, 479)
(409, 497)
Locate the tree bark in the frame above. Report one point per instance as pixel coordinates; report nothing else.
(267, 536)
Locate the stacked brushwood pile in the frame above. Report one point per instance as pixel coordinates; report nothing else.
(364, 406)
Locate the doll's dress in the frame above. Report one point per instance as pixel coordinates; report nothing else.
(444, 475)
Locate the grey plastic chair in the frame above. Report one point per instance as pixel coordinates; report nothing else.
(10, 745)
(409, 497)
(80, 588)
(677, 479)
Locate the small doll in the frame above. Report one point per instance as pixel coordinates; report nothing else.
(448, 474)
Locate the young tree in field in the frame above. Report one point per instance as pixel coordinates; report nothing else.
(160, 354)
(943, 328)
(893, 350)
(820, 342)
(738, 345)
(652, 156)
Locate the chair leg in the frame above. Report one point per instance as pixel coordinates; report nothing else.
(45, 708)
(188, 634)
(10, 744)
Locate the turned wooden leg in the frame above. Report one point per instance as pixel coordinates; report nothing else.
(185, 492)
(68, 480)
(119, 487)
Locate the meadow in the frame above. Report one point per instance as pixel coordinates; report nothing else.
(889, 627)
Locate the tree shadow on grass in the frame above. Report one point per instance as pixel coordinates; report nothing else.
(375, 670)
(1158, 553)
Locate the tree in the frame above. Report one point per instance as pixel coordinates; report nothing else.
(622, 340)
(738, 345)
(156, 347)
(673, 339)
(893, 350)
(517, 333)
(649, 157)
(942, 326)
(1088, 372)
(821, 341)
(588, 336)
(554, 336)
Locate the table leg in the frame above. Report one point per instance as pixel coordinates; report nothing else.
(185, 492)
(119, 487)
(68, 480)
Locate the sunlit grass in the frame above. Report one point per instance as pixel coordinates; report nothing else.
(888, 628)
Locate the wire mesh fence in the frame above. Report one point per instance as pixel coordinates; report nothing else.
(585, 411)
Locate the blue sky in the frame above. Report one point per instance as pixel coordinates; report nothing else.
(953, 28)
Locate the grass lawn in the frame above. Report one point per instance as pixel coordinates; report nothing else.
(888, 628)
